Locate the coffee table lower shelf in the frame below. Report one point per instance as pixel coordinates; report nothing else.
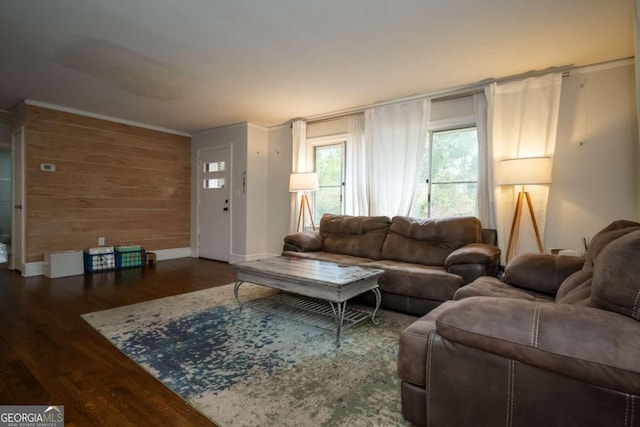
(304, 309)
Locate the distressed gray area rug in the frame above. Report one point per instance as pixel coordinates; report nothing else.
(250, 367)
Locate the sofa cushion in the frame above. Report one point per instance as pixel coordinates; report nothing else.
(608, 234)
(429, 241)
(492, 287)
(415, 280)
(616, 277)
(591, 345)
(576, 289)
(360, 236)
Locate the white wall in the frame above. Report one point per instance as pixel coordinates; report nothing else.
(236, 137)
(594, 169)
(452, 112)
(279, 198)
(330, 127)
(257, 164)
(261, 158)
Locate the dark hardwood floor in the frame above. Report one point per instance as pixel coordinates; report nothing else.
(49, 355)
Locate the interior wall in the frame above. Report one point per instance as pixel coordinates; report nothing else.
(326, 128)
(595, 162)
(234, 136)
(257, 185)
(260, 207)
(128, 184)
(278, 196)
(452, 112)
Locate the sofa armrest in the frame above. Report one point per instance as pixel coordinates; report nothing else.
(541, 272)
(303, 242)
(473, 253)
(473, 260)
(592, 345)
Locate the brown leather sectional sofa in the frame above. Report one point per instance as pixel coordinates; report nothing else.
(557, 343)
(425, 261)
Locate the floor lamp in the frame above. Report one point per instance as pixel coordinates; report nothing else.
(524, 171)
(301, 183)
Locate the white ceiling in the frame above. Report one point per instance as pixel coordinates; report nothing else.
(189, 65)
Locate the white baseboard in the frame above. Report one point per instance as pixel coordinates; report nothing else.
(164, 254)
(235, 258)
(37, 268)
(33, 269)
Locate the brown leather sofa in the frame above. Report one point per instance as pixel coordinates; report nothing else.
(425, 261)
(555, 344)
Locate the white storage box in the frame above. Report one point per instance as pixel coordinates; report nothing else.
(63, 264)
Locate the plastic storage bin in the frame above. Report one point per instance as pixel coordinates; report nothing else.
(99, 259)
(130, 257)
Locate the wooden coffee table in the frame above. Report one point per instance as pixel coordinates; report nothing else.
(320, 280)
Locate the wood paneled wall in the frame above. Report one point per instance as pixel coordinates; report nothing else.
(128, 184)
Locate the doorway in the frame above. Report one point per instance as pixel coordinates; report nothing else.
(5, 192)
(214, 208)
(16, 255)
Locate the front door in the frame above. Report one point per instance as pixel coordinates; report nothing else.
(214, 208)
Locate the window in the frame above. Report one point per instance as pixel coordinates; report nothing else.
(448, 183)
(214, 168)
(213, 183)
(329, 163)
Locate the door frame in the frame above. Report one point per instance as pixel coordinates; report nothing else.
(17, 169)
(199, 193)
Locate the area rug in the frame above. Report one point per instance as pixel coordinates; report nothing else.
(252, 367)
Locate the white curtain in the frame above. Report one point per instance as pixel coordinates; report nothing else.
(395, 140)
(523, 119)
(486, 210)
(356, 200)
(298, 164)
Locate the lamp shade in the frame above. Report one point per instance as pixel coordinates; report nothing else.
(307, 181)
(525, 171)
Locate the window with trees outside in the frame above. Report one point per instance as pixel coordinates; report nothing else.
(448, 184)
(329, 165)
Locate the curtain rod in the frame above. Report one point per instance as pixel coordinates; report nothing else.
(453, 93)
(444, 95)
